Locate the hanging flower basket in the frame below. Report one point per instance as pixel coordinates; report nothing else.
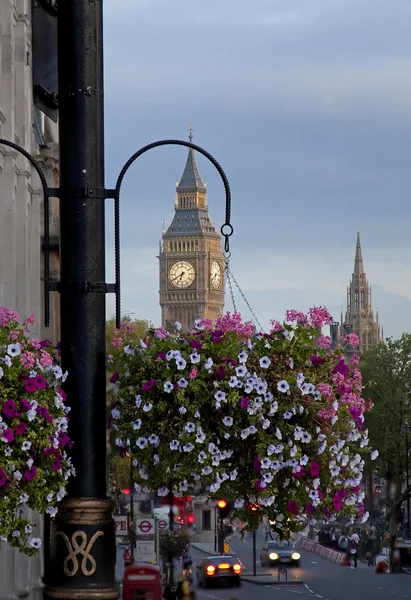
(271, 421)
(34, 466)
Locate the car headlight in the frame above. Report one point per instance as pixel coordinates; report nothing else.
(296, 556)
(273, 556)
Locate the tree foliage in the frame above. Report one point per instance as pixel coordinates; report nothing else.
(386, 371)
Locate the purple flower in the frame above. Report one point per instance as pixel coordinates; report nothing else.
(359, 424)
(316, 360)
(337, 503)
(62, 394)
(8, 435)
(219, 413)
(30, 385)
(341, 367)
(9, 409)
(244, 402)
(257, 464)
(354, 412)
(49, 451)
(220, 372)
(43, 411)
(21, 428)
(3, 477)
(293, 507)
(161, 356)
(114, 377)
(260, 485)
(315, 469)
(56, 464)
(41, 382)
(299, 473)
(63, 438)
(309, 509)
(231, 361)
(195, 344)
(30, 473)
(24, 404)
(45, 343)
(149, 384)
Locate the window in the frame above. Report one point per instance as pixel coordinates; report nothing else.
(206, 525)
(356, 303)
(362, 299)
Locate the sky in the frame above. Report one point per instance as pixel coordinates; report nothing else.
(306, 104)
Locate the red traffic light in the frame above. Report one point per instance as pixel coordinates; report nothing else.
(191, 518)
(221, 503)
(126, 491)
(189, 499)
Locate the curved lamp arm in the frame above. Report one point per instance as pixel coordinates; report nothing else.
(226, 229)
(46, 209)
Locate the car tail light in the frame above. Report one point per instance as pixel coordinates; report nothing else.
(237, 568)
(210, 570)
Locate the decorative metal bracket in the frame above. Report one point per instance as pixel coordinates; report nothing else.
(102, 287)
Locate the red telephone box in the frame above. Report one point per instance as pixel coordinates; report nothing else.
(142, 582)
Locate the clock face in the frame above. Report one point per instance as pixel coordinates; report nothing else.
(215, 274)
(181, 274)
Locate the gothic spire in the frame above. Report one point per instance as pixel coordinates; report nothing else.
(358, 264)
(191, 178)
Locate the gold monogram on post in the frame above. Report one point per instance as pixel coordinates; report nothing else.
(75, 548)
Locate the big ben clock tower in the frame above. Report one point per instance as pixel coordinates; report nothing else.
(191, 259)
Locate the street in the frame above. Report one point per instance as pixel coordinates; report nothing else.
(321, 579)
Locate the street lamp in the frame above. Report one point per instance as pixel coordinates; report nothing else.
(82, 557)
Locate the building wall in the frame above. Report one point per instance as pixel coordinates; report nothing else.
(21, 208)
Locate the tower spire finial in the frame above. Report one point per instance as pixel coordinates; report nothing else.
(190, 131)
(358, 263)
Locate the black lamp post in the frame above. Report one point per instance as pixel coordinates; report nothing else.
(81, 562)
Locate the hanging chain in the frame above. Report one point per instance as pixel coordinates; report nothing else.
(230, 277)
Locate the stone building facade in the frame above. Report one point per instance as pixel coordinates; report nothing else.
(21, 222)
(191, 259)
(359, 316)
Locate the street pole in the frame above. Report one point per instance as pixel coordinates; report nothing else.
(254, 555)
(83, 551)
(221, 536)
(215, 531)
(131, 482)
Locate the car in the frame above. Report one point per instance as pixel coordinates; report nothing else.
(219, 570)
(278, 552)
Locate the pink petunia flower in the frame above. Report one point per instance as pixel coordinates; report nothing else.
(293, 507)
(315, 469)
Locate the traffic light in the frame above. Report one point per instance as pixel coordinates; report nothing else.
(223, 509)
(126, 491)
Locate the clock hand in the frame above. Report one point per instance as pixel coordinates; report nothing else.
(179, 276)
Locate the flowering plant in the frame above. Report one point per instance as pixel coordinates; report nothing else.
(272, 421)
(34, 465)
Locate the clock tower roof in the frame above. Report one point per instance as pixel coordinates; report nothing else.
(191, 222)
(191, 178)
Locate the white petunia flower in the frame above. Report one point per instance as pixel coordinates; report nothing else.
(201, 457)
(182, 410)
(282, 386)
(195, 358)
(188, 447)
(17, 475)
(374, 454)
(137, 424)
(138, 400)
(174, 445)
(265, 362)
(35, 543)
(147, 407)
(206, 471)
(190, 427)
(241, 371)
(266, 463)
(208, 364)
(154, 439)
(181, 363)
(287, 415)
(233, 381)
(141, 443)
(51, 510)
(182, 383)
(23, 498)
(265, 424)
(242, 357)
(220, 396)
(14, 349)
(168, 387)
(233, 475)
(239, 503)
(163, 492)
(200, 437)
(228, 421)
(178, 325)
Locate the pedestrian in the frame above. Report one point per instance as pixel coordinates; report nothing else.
(353, 551)
(268, 533)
